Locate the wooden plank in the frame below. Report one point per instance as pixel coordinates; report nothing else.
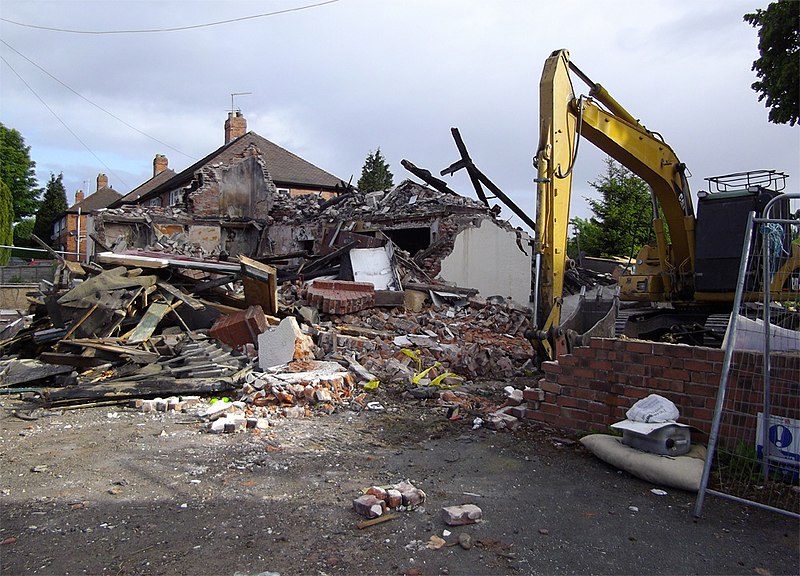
(185, 298)
(112, 348)
(74, 360)
(149, 322)
(260, 284)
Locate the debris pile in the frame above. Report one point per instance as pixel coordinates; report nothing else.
(378, 499)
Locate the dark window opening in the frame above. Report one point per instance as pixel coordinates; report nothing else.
(412, 240)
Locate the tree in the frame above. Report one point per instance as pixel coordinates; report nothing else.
(17, 171)
(22, 233)
(778, 68)
(621, 224)
(6, 222)
(375, 174)
(53, 206)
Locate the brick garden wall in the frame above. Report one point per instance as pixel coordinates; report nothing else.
(592, 388)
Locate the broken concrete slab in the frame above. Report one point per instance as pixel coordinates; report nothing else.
(283, 343)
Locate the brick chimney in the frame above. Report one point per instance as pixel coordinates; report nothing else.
(78, 196)
(235, 126)
(102, 181)
(160, 163)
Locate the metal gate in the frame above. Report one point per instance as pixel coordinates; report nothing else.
(754, 445)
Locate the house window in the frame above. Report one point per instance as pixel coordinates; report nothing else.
(154, 201)
(174, 197)
(282, 191)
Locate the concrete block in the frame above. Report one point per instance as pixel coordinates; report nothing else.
(284, 343)
(394, 499)
(461, 515)
(369, 506)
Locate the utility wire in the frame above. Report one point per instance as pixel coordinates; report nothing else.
(63, 123)
(96, 105)
(175, 29)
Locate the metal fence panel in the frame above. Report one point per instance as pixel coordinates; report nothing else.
(26, 274)
(754, 446)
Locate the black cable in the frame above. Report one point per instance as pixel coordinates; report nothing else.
(97, 105)
(63, 123)
(175, 29)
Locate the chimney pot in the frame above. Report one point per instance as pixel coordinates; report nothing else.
(102, 181)
(78, 196)
(235, 126)
(160, 163)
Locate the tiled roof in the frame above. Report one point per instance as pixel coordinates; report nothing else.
(285, 168)
(100, 199)
(144, 188)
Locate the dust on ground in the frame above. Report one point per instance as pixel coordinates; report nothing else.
(116, 491)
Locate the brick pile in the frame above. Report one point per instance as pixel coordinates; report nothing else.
(339, 297)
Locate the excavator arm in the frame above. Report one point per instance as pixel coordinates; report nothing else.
(564, 121)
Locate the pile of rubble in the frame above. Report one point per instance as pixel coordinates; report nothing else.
(158, 328)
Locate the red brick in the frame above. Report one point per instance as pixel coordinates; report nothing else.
(676, 374)
(656, 361)
(602, 343)
(584, 373)
(551, 367)
(634, 369)
(598, 364)
(240, 328)
(571, 402)
(533, 394)
(550, 387)
(640, 347)
(549, 408)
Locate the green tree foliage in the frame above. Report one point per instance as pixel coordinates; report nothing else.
(778, 68)
(53, 207)
(17, 171)
(22, 233)
(375, 174)
(621, 224)
(6, 222)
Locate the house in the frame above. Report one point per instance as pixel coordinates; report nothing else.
(253, 198)
(221, 203)
(71, 230)
(215, 185)
(161, 173)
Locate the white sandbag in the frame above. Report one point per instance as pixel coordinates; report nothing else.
(683, 472)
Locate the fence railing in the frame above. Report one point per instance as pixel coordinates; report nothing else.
(754, 445)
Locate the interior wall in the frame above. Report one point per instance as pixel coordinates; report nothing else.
(489, 259)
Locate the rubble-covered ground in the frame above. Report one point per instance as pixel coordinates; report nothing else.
(114, 490)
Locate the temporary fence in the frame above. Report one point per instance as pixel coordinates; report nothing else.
(754, 445)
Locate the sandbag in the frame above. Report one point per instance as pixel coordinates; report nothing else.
(683, 472)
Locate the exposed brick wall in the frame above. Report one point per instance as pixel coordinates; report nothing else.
(594, 387)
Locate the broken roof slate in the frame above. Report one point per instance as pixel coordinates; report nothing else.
(100, 199)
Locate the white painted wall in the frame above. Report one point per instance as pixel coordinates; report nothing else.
(488, 258)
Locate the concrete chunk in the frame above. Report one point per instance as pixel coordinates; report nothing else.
(283, 343)
(460, 515)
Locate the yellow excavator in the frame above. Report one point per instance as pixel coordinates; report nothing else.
(693, 267)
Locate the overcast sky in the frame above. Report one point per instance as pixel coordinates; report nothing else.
(333, 82)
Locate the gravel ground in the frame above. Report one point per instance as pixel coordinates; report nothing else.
(115, 491)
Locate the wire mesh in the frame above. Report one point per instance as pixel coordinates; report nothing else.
(754, 446)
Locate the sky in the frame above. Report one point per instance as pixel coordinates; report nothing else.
(335, 81)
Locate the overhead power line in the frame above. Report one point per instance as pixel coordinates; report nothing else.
(174, 29)
(154, 139)
(57, 117)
